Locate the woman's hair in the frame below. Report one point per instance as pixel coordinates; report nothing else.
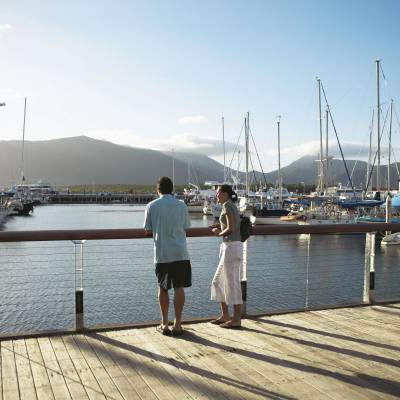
(228, 189)
(165, 185)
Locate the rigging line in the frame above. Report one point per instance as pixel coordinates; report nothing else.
(259, 161)
(355, 164)
(383, 74)
(237, 145)
(395, 163)
(337, 137)
(254, 173)
(396, 115)
(376, 153)
(383, 128)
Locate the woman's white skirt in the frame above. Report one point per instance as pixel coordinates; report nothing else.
(225, 286)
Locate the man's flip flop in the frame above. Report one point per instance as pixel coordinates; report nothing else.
(164, 331)
(177, 332)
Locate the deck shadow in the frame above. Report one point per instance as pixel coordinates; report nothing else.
(328, 334)
(359, 379)
(180, 364)
(328, 347)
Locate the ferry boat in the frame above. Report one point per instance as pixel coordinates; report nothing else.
(40, 192)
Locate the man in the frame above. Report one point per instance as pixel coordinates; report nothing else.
(167, 218)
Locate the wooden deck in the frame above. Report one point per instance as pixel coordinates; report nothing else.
(350, 353)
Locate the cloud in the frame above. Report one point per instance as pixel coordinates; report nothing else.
(192, 120)
(183, 142)
(351, 150)
(5, 27)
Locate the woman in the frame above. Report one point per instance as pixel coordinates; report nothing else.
(225, 286)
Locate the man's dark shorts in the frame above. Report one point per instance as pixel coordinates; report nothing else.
(174, 274)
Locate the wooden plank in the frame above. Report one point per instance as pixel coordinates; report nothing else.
(122, 354)
(24, 371)
(1, 375)
(347, 370)
(373, 347)
(151, 371)
(201, 360)
(112, 368)
(74, 384)
(56, 378)
(192, 382)
(97, 369)
(304, 367)
(39, 372)
(9, 371)
(232, 358)
(86, 376)
(167, 372)
(266, 366)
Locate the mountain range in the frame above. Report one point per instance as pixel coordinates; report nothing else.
(82, 160)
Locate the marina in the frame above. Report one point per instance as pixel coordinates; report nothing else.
(200, 201)
(285, 271)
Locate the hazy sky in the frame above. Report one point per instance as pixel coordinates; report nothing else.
(160, 74)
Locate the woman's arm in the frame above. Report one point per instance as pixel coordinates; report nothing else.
(230, 226)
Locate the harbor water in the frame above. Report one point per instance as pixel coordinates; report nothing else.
(284, 272)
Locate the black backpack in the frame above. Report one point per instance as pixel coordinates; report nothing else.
(245, 228)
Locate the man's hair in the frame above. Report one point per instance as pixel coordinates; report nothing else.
(165, 185)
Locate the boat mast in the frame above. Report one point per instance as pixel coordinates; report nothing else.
(223, 144)
(368, 182)
(246, 131)
(278, 121)
(173, 171)
(378, 127)
(321, 163)
(23, 146)
(390, 144)
(326, 149)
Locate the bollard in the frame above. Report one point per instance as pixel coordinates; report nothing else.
(243, 279)
(79, 315)
(388, 218)
(79, 309)
(369, 271)
(372, 271)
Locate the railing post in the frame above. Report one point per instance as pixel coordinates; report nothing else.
(369, 271)
(79, 315)
(243, 279)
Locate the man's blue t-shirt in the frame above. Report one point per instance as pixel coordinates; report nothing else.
(168, 219)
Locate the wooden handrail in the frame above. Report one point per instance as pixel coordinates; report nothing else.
(103, 234)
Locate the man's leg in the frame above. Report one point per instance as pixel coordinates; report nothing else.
(179, 302)
(163, 300)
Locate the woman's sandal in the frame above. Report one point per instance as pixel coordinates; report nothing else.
(228, 325)
(217, 321)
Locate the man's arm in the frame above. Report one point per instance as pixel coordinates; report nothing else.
(187, 218)
(147, 226)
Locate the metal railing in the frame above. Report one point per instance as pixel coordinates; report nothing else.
(106, 268)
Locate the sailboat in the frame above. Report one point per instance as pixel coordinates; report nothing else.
(269, 209)
(21, 202)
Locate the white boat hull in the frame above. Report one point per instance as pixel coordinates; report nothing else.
(270, 221)
(326, 221)
(390, 240)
